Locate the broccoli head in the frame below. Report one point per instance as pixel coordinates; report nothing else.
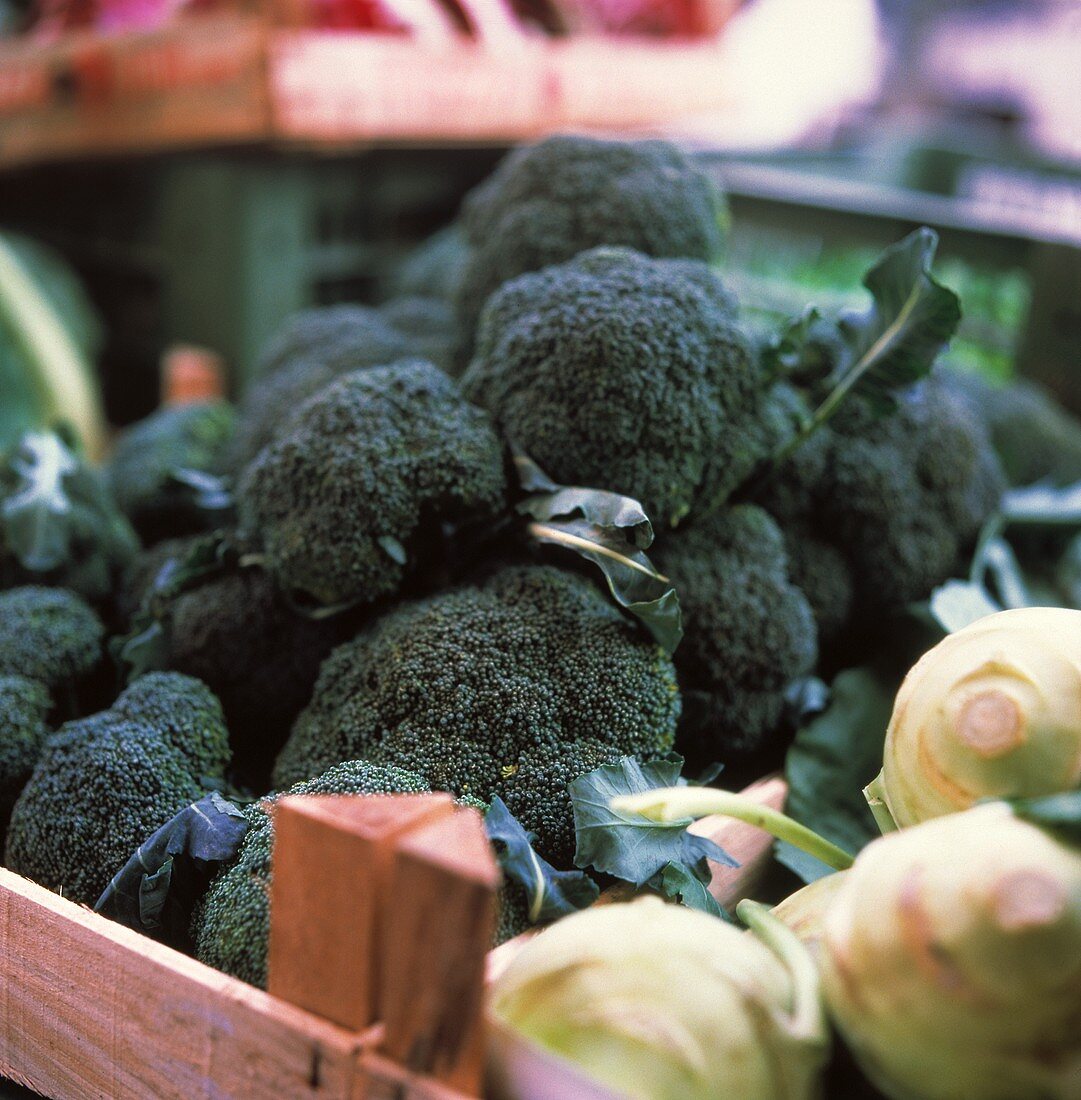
(237, 634)
(231, 924)
(504, 686)
(176, 437)
(369, 474)
(103, 784)
(900, 498)
(434, 268)
(49, 635)
(620, 372)
(430, 325)
(24, 706)
(748, 630)
(314, 349)
(1035, 437)
(567, 194)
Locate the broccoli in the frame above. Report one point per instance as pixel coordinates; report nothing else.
(434, 268)
(620, 372)
(430, 325)
(103, 784)
(900, 497)
(315, 348)
(24, 706)
(177, 437)
(231, 924)
(51, 636)
(365, 480)
(548, 202)
(503, 686)
(748, 631)
(513, 918)
(58, 522)
(1035, 437)
(237, 634)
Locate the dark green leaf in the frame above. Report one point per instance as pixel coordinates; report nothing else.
(912, 318)
(146, 644)
(687, 886)
(37, 512)
(831, 760)
(1057, 813)
(198, 491)
(629, 846)
(156, 890)
(550, 894)
(611, 531)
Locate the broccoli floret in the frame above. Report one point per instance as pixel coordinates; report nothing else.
(176, 437)
(901, 497)
(24, 705)
(513, 917)
(904, 497)
(231, 924)
(748, 631)
(315, 348)
(49, 635)
(480, 689)
(548, 202)
(822, 573)
(238, 635)
(103, 784)
(434, 268)
(620, 372)
(58, 522)
(346, 337)
(365, 480)
(1035, 437)
(430, 325)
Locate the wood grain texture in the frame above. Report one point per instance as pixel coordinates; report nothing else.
(332, 860)
(437, 940)
(91, 1009)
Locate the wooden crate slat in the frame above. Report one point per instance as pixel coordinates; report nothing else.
(440, 921)
(332, 857)
(90, 1009)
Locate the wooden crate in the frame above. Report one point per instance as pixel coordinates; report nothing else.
(382, 915)
(249, 77)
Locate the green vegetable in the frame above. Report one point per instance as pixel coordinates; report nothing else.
(24, 707)
(548, 202)
(150, 472)
(356, 493)
(103, 784)
(621, 372)
(506, 686)
(659, 1002)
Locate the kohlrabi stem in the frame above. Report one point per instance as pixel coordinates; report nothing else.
(670, 804)
(808, 1017)
(875, 793)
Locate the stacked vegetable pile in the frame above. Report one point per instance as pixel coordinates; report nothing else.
(523, 533)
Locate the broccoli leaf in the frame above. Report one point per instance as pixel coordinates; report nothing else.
(629, 846)
(156, 890)
(1043, 505)
(833, 757)
(883, 349)
(1057, 813)
(550, 894)
(206, 495)
(611, 531)
(145, 646)
(689, 886)
(37, 514)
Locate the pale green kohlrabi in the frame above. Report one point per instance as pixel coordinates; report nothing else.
(950, 957)
(992, 711)
(659, 1002)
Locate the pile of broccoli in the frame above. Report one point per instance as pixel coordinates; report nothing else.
(335, 587)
